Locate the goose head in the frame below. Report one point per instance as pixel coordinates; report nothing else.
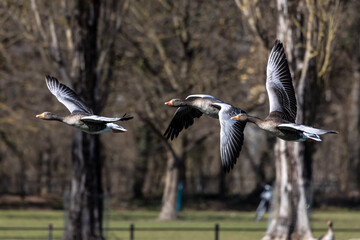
(330, 224)
(47, 116)
(175, 103)
(242, 117)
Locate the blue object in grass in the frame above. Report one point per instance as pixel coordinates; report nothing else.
(179, 196)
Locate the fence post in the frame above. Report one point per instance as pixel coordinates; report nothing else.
(50, 231)
(216, 231)
(131, 231)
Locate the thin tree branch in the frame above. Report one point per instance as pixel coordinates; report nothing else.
(147, 121)
(38, 21)
(245, 7)
(166, 61)
(55, 49)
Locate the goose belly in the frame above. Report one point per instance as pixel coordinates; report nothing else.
(92, 128)
(96, 132)
(289, 135)
(206, 108)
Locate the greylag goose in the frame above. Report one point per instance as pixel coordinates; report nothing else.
(329, 234)
(81, 116)
(281, 119)
(231, 133)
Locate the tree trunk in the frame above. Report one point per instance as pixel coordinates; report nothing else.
(290, 219)
(86, 197)
(174, 171)
(353, 129)
(168, 211)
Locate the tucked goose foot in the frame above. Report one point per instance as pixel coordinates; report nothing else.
(311, 137)
(118, 131)
(115, 128)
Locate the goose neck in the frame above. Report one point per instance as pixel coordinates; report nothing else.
(57, 118)
(254, 119)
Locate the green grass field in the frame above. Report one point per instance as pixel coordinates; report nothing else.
(346, 224)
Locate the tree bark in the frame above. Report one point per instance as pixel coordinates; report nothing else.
(290, 219)
(353, 129)
(86, 197)
(175, 170)
(168, 211)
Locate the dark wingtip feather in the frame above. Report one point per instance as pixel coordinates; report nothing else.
(170, 134)
(227, 169)
(278, 46)
(48, 77)
(126, 117)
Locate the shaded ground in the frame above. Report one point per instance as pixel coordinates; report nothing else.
(199, 202)
(9, 201)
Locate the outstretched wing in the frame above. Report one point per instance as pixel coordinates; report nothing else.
(66, 96)
(96, 118)
(279, 84)
(183, 118)
(194, 96)
(231, 135)
(304, 128)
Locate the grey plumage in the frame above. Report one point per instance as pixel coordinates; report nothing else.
(231, 135)
(66, 96)
(81, 116)
(279, 84)
(282, 101)
(194, 106)
(329, 235)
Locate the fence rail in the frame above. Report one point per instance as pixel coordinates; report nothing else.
(50, 229)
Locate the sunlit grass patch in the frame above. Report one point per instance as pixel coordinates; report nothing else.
(190, 225)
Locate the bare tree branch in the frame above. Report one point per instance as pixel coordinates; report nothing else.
(249, 9)
(55, 49)
(146, 120)
(38, 21)
(167, 62)
(108, 51)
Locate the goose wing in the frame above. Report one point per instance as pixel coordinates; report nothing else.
(304, 128)
(231, 135)
(279, 84)
(66, 96)
(183, 118)
(194, 96)
(101, 119)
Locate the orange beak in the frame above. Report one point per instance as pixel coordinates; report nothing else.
(169, 103)
(235, 118)
(40, 116)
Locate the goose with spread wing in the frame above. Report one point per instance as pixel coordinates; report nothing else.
(194, 106)
(281, 119)
(81, 116)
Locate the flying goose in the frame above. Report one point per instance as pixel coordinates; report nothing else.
(81, 116)
(194, 106)
(281, 119)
